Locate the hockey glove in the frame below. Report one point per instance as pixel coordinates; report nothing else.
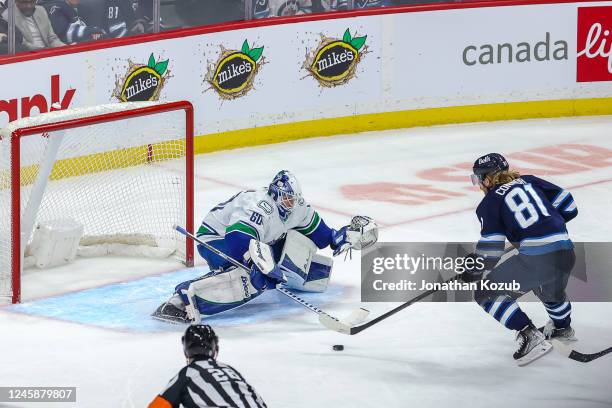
(340, 242)
(360, 234)
(474, 268)
(262, 281)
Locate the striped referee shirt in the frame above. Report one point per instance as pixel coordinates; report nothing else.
(208, 383)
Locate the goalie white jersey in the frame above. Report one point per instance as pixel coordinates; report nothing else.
(255, 213)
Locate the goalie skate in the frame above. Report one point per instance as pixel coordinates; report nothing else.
(167, 312)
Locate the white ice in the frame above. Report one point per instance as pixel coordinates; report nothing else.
(429, 355)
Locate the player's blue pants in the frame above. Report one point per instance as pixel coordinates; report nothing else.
(546, 275)
(214, 261)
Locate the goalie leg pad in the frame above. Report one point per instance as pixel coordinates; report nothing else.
(216, 293)
(297, 254)
(304, 269)
(319, 274)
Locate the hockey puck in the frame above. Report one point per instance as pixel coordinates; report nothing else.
(338, 347)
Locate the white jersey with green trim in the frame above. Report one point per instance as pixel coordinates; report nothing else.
(255, 213)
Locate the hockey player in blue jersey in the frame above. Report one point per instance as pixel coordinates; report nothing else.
(68, 24)
(531, 214)
(274, 222)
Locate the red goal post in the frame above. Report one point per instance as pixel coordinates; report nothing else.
(124, 172)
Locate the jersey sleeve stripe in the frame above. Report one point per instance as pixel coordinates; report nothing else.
(206, 229)
(490, 255)
(490, 245)
(547, 239)
(496, 237)
(314, 223)
(240, 226)
(492, 249)
(563, 194)
(570, 207)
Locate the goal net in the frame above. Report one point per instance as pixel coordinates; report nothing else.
(117, 176)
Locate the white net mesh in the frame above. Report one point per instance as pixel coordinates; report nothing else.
(123, 180)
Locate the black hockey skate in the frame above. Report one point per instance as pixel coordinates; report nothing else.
(531, 345)
(565, 334)
(167, 312)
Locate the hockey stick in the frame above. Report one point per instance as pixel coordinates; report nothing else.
(358, 329)
(576, 355)
(356, 317)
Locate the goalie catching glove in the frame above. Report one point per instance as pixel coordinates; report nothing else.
(361, 233)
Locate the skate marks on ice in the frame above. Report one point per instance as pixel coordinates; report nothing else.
(127, 306)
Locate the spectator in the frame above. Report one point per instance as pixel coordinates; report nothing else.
(143, 13)
(33, 23)
(362, 4)
(68, 24)
(276, 8)
(204, 382)
(203, 12)
(120, 20)
(4, 38)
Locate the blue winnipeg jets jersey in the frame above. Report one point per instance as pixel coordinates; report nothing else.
(361, 4)
(530, 212)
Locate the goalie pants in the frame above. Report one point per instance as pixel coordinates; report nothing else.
(546, 275)
(214, 261)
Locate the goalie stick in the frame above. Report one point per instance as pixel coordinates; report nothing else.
(576, 355)
(357, 316)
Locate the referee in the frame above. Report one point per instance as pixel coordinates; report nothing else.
(204, 382)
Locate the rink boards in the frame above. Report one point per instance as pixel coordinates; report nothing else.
(355, 71)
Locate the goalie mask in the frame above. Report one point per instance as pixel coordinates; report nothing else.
(286, 193)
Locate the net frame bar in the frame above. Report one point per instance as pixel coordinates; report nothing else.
(19, 133)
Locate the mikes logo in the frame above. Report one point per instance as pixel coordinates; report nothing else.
(334, 61)
(594, 44)
(39, 102)
(142, 82)
(233, 74)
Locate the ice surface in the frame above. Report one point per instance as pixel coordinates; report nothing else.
(87, 325)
